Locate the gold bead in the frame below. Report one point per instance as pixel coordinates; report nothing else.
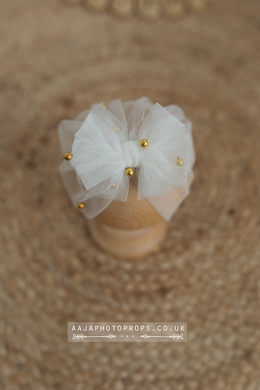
(113, 185)
(104, 106)
(68, 156)
(115, 129)
(144, 143)
(179, 161)
(139, 124)
(81, 205)
(129, 172)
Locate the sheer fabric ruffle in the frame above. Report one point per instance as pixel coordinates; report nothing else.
(105, 140)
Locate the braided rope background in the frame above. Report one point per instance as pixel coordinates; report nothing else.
(56, 60)
(148, 9)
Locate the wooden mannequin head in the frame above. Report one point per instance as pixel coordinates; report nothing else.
(131, 215)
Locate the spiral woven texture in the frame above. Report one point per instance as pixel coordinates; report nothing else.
(57, 60)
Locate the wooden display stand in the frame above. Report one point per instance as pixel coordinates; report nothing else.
(129, 229)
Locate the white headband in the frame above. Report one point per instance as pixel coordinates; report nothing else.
(107, 146)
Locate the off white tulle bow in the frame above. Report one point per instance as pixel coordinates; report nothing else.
(105, 141)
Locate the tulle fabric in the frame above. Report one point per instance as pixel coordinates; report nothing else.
(105, 141)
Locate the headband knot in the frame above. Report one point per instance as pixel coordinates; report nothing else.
(130, 154)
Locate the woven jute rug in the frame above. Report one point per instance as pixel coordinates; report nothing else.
(57, 60)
